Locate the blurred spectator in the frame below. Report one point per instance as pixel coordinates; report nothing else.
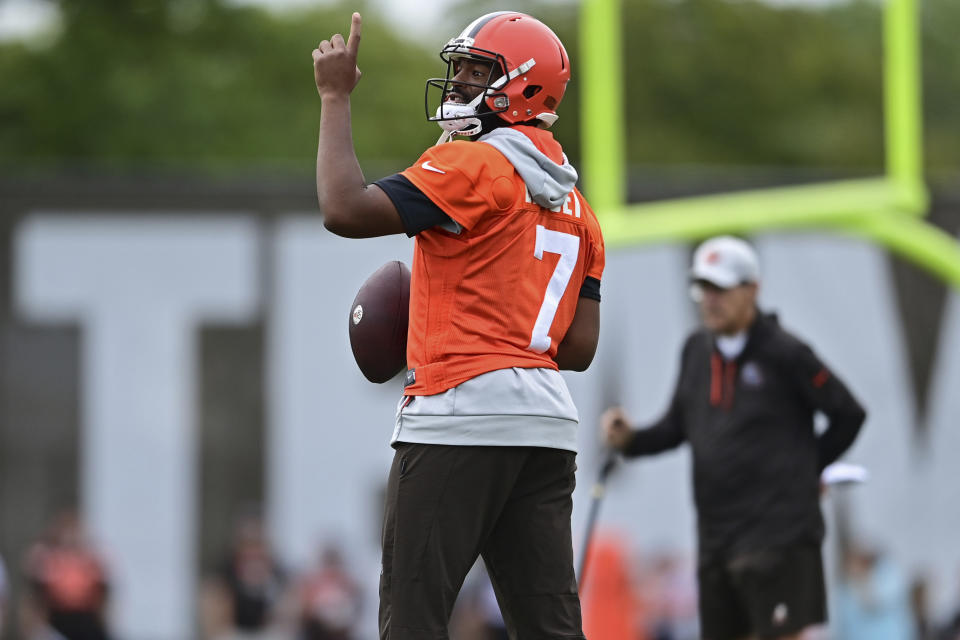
(69, 585)
(611, 606)
(491, 620)
(243, 600)
(476, 615)
(671, 597)
(329, 600)
(872, 599)
(951, 630)
(919, 608)
(4, 596)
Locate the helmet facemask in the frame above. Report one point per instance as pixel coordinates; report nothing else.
(465, 117)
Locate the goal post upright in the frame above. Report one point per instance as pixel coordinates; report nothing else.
(887, 210)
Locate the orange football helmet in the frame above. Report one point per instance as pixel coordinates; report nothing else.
(532, 71)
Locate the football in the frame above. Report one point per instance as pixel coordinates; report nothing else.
(378, 322)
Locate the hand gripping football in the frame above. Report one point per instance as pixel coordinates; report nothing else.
(378, 322)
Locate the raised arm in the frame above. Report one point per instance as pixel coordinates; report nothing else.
(350, 208)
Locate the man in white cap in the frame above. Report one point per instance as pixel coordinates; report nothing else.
(745, 401)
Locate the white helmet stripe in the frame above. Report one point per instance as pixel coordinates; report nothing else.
(502, 80)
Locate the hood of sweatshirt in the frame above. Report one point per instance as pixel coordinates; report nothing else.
(549, 180)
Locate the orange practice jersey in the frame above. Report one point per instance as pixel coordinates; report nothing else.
(503, 291)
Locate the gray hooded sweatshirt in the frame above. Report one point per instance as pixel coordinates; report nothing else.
(549, 183)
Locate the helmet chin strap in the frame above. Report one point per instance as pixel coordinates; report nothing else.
(459, 119)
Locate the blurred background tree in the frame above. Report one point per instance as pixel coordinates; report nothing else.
(208, 86)
(160, 84)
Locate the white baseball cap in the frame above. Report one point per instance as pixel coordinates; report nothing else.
(726, 262)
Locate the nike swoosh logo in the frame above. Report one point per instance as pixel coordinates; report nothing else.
(429, 167)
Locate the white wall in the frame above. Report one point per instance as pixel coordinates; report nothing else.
(140, 288)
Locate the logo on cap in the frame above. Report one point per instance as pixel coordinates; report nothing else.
(752, 376)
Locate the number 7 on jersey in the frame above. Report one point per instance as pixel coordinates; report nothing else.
(567, 246)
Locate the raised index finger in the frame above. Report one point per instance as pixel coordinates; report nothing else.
(353, 41)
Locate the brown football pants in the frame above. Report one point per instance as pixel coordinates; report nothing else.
(447, 505)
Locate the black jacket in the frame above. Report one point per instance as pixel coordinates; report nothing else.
(750, 425)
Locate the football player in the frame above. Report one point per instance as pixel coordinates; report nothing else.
(505, 292)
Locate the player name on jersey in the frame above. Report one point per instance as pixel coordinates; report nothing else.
(572, 200)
